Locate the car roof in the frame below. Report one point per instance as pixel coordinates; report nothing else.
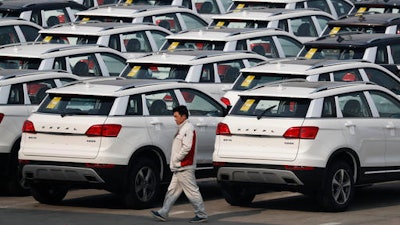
(268, 14)
(380, 3)
(24, 5)
(5, 21)
(96, 28)
(226, 34)
(303, 66)
(118, 86)
(312, 90)
(353, 40)
(131, 11)
(12, 76)
(43, 50)
(193, 57)
(384, 19)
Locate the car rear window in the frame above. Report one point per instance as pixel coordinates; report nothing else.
(67, 105)
(271, 107)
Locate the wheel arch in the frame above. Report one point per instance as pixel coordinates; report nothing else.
(349, 156)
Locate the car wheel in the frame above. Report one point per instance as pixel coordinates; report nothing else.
(13, 184)
(143, 185)
(338, 188)
(237, 195)
(48, 193)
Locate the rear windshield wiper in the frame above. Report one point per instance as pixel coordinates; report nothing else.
(266, 110)
(74, 113)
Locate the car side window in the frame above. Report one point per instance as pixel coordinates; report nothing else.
(37, 90)
(114, 63)
(114, 42)
(290, 46)
(192, 22)
(354, 105)
(30, 33)
(59, 64)
(207, 7)
(136, 42)
(84, 65)
(161, 103)
(228, 71)
(16, 95)
(168, 21)
(329, 108)
(381, 55)
(264, 46)
(342, 8)
(159, 37)
(347, 75)
(8, 35)
(387, 106)
(303, 27)
(383, 79)
(134, 105)
(395, 49)
(319, 4)
(200, 104)
(207, 74)
(55, 16)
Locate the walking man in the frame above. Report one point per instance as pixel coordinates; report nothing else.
(182, 165)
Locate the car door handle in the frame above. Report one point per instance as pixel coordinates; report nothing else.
(201, 124)
(390, 126)
(349, 124)
(155, 122)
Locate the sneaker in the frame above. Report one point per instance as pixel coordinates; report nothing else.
(197, 219)
(158, 216)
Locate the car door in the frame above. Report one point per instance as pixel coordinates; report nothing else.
(388, 108)
(205, 114)
(363, 133)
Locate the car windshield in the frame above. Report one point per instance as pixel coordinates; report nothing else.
(193, 44)
(19, 63)
(332, 53)
(249, 80)
(69, 105)
(68, 39)
(237, 23)
(356, 28)
(260, 107)
(155, 71)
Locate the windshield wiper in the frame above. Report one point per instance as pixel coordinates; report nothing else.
(73, 113)
(266, 110)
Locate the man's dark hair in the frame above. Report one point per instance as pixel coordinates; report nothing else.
(182, 110)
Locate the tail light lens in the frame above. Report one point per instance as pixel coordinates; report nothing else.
(28, 127)
(104, 130)
(301, 132)
(1, 117)
(226, 101)
(223, 129)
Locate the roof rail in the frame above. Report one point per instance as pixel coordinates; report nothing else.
(19, 73)
(334, 85)
(92, 79)
(147, 82)
(339, 34)
(334, 62)
(279, 82)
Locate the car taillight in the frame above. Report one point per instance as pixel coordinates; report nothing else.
(1, 117)
(28, 127)
(104, 130)
(226, 101)
(301, 132)
(223, 129)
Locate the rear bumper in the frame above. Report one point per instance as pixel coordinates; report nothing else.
(75, 174)
(271, 177)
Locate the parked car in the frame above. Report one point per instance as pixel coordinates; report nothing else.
(205, 8)
(213, 71)
(271, 43)
(379, 6)
(173, 18)
(131, 39)
(13, 30)
(378, 48)
(319, 138)
(113, 134)
(94, 3)
(82, 60)
(43, 12)
(305, 24)
(336, 8)
(387, 23)
(312, 70)
(20, 93)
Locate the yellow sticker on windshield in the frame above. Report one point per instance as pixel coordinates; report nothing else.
(334, 30)
(47, 38)
(247, 81)
(173, 45)
(246, 106)
(240, 6)
(134, 71)
(220, 24)
(362, 9)
(53, 103)
(310, 53)
(128, 2)
(85, 19)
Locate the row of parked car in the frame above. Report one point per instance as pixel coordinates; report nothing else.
(106, 86)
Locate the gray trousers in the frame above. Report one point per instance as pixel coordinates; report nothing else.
(183, 181)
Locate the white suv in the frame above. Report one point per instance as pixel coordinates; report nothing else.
(318, 138)
(213, 71)
(115, 134)
(20, 93)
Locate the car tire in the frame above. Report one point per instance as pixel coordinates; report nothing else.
(48, 193)
(338, 188)
(237, 195)
(143, 185)
(13, 185)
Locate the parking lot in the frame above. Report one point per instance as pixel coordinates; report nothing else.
(378, 205)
